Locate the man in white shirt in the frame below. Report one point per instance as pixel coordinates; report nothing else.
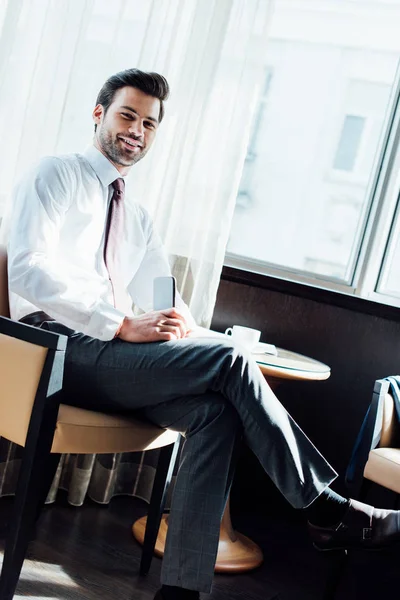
(78, 257)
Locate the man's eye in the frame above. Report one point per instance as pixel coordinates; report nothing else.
(149, 124)
(126, 115)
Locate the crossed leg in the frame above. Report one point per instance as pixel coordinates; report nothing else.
(211, 391)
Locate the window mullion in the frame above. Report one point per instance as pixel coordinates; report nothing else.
(382, 210)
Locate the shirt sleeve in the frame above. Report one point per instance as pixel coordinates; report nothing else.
(154, 264)
(68, 294)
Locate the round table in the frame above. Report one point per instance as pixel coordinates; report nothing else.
(236, 552)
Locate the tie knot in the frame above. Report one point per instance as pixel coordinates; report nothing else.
(119, 185)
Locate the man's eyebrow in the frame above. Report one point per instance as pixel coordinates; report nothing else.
(136, 113)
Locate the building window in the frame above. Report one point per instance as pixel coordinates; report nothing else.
(322, 145)
(349, 143)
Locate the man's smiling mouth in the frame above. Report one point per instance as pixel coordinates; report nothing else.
(130, 142)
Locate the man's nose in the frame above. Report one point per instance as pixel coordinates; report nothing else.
(137, 129)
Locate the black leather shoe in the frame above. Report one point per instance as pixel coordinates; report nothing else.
(363, 526)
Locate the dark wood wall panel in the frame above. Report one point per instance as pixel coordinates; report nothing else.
(358, 347)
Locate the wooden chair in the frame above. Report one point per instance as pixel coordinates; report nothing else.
(31, 368)
(376, 454)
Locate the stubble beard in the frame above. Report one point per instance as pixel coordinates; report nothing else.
(114, 151)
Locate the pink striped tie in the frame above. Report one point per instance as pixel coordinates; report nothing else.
(114, 234)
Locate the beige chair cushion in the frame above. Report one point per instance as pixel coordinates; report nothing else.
(85, 432)
(383, 467)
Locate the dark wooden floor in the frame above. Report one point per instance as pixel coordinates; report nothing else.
(89, 553)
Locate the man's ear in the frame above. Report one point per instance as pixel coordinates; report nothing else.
(98, 114)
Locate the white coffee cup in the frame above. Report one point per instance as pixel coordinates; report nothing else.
(244, 335)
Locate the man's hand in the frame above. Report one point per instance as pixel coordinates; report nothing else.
(154, 326)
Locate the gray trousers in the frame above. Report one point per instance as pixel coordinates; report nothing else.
(212, 392)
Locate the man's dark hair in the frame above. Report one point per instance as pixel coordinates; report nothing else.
(152, 84)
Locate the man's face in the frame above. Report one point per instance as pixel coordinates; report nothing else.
(127, 130)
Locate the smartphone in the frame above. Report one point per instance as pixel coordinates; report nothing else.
(164, 289)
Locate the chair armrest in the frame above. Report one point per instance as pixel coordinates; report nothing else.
(33, 335)
(367, 439)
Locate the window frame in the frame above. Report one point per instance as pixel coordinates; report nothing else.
(379, 219)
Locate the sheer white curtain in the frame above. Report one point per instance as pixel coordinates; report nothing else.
(56, 54)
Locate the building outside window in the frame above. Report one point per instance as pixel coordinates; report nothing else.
(318, 137)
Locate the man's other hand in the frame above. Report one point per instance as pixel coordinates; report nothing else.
(154, 326)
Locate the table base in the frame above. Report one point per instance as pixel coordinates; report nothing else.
(236, 552)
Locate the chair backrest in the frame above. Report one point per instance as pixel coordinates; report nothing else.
(4, 305)
(389, 424)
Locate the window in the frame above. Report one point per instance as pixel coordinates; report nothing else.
(314, 179)
(389, 280)
(349, 143)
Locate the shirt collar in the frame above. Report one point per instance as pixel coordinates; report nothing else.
(103, 168)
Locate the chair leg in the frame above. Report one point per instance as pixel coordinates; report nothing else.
(27, 505)
(49, 471)
(33, 477)
(165, 469)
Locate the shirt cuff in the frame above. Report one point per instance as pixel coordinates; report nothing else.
(105, 322)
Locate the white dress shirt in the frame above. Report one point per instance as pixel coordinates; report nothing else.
(55, 242)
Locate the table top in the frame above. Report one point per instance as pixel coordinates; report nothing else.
(285, 365)
(291, 365)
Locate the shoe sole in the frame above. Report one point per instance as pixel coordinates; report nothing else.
(362, 548)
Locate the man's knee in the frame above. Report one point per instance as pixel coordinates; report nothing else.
(214, 412)
(217, 347)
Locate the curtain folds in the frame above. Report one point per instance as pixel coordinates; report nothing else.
(54, 57)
